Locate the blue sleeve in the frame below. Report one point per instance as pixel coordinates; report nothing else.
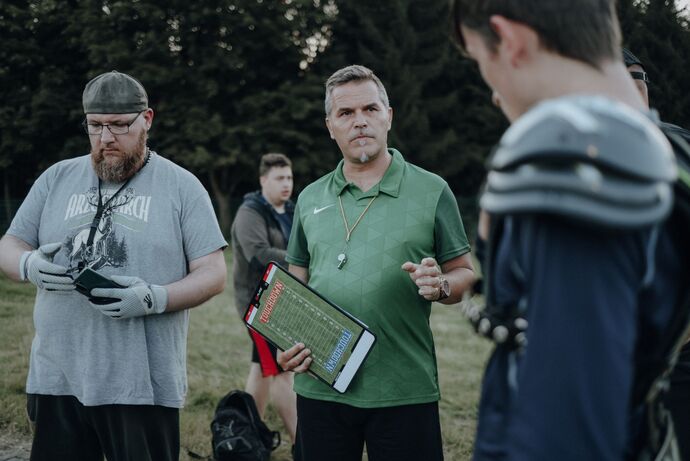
(574, 379)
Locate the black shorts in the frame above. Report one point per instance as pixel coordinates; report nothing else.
(66, 429)
(337, 432)
(265, 354)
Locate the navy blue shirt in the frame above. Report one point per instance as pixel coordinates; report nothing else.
(566, 395)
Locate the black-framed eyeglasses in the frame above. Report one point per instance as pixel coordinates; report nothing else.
(114, 128)
(640, 76)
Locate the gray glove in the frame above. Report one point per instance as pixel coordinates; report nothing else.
(37, 267)
(137, 298)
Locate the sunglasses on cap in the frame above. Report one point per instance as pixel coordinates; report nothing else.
(640, 76)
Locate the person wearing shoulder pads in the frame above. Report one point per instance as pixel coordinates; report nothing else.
(577, 198)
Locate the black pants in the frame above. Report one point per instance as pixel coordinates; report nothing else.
(66, 429)
(337, 432)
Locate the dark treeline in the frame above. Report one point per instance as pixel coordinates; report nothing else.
(232, 79)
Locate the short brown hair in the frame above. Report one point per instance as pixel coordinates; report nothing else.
(273, 160)
(584, 30)
(354, 73)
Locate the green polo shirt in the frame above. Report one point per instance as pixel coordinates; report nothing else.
(414, 216)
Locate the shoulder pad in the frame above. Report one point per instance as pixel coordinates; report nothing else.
(588, 158)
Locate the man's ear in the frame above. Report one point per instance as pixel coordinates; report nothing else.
(517, 41)
(328, 125)
(390, 118)
(148, 118)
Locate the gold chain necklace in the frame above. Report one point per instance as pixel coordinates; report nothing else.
(342, 257)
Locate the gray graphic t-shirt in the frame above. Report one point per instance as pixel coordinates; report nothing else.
(160, 221)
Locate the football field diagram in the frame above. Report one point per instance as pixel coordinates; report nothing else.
(289, 313)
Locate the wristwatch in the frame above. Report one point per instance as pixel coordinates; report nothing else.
(443, 288)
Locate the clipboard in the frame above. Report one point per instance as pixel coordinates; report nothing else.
(285, 312)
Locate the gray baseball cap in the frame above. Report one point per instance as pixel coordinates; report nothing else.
(114, 93)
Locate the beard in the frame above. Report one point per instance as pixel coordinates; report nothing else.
(118, 170)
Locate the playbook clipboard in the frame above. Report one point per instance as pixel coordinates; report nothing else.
(285, 311)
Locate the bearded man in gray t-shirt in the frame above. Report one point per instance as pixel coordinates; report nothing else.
(107, 371)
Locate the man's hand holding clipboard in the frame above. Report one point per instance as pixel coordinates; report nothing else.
(295, 359)
(317, 336)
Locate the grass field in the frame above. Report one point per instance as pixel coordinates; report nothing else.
(218, 353)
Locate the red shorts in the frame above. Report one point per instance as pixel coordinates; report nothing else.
(264, 353)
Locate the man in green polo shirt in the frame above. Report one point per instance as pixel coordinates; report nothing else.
(370, 236)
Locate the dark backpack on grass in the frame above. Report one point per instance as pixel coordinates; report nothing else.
(238, 434)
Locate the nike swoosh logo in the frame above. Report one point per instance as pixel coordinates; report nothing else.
(319, 210)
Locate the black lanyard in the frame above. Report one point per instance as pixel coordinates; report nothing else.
(103, 206)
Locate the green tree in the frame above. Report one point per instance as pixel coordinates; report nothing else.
(231, 80)
(37, 74)
(224, 78)
(659, 34)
